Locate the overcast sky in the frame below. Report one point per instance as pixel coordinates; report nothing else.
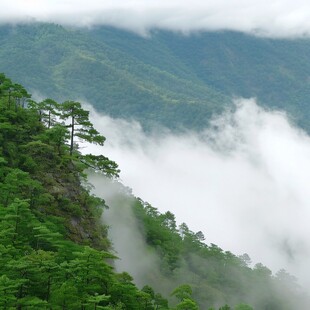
(280, 18)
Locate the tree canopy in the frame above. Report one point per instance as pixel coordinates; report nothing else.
(55, 252)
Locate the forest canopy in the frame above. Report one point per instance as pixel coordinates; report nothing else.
(55, 252)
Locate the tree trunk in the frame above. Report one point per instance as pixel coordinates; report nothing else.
(72, 134)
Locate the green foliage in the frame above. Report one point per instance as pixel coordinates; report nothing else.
(177, 80)
(182, 292)
(187, 304)
(79, 124)
(213, 277)
(8, 290)
(53, 252)
(243, 307)
(102, 67)
(102, 164)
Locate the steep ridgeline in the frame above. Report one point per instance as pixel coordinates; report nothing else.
(166, 78)
(54, 252)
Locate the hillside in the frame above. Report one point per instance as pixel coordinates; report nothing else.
(55, 252)
(54, 249)
(62, 63)
(167, 78)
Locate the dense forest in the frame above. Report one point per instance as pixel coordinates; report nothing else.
(166, 78)
(55, 252)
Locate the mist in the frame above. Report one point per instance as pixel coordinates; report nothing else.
(128, 242)
(273, 19)
(124, 231)
(243, 181)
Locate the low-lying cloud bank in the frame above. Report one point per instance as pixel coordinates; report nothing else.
(243, 182)
(285, 18)
(127, 240)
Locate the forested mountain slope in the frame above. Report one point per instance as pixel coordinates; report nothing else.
(62, 63)
(54, 251)
(166, 78)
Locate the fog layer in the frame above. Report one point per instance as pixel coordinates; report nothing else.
(127, 241)
(284, 18)
(243, 181)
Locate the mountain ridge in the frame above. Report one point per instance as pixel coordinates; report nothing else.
(168, 79)
(55, 251)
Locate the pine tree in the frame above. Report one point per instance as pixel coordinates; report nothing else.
(79, 124)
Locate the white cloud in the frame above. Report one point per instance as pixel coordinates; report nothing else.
(243, 182)
(280, 18)
(128, 243)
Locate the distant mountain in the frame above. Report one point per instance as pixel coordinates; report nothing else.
(167, 78)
